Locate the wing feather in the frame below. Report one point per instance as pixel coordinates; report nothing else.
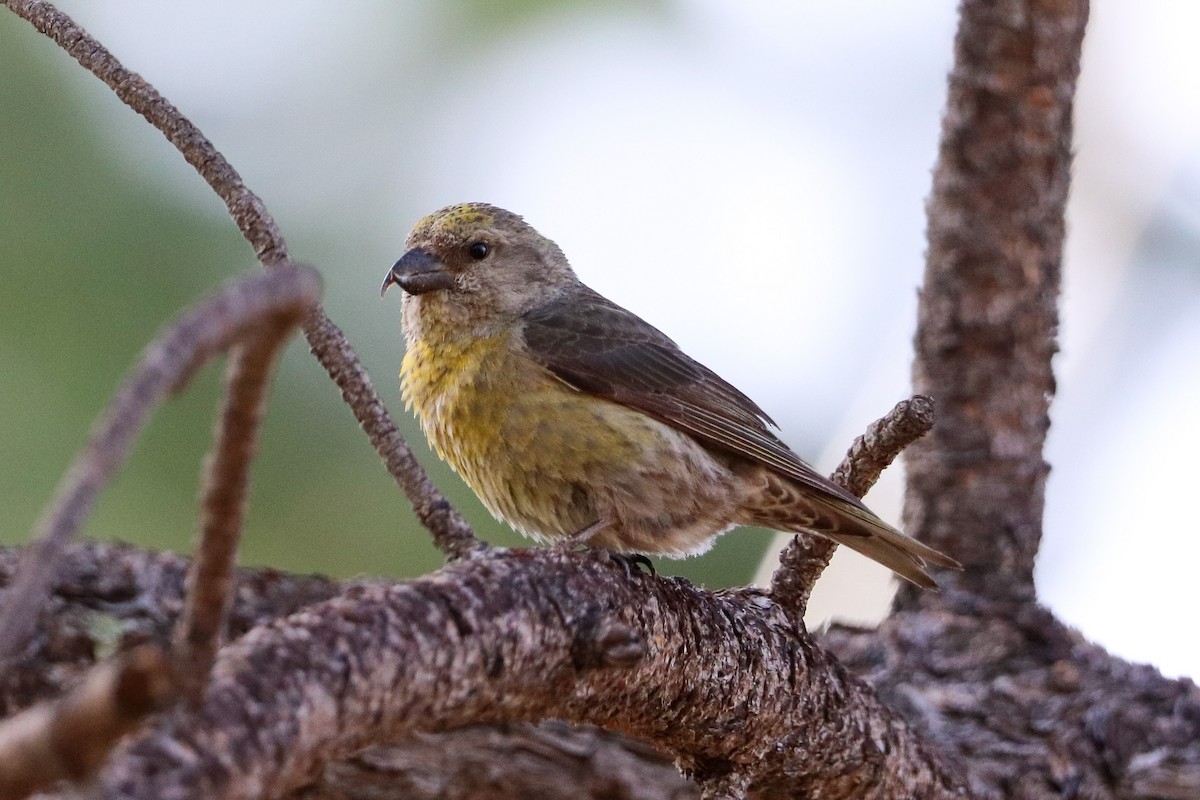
(598, 347)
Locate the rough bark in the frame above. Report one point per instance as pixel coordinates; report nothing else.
(112, 596)
(649, 657)
(1027, 705)
(550, 761)
(72, 736)
(722, 681)
(1030, 708)
(988, 313)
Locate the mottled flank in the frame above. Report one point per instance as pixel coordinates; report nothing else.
(565, 412)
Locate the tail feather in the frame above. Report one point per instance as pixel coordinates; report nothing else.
(902, 554)
(786, 506)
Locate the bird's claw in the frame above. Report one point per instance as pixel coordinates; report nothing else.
(633, 562)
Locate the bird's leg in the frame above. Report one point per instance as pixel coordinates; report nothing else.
(630, 561)
(583, 535)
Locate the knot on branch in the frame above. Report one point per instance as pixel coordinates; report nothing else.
(602, 641)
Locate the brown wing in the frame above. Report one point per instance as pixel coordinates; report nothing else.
(598, 347)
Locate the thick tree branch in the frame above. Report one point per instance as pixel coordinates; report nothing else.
(988, 310)
(139, 593)
(806, 557)
(1028, 707)
(166, 364)
(450, 531)
(458, 648)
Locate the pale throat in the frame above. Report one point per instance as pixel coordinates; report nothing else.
(442, 318)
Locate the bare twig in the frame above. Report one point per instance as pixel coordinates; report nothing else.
(166, 364)
(225, 486)
(244, 206)
(459, 647)
(805, 558)
(988, 315)
(71, 737)
(883, 441)
(450, 531)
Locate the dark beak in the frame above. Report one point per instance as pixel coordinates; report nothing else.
(417, 272)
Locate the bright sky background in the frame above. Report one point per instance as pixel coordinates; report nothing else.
(743, 173)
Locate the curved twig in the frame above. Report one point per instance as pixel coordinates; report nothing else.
(806, 556)
(247, 210)
(225, 487)
(451, 533)
(210, 327)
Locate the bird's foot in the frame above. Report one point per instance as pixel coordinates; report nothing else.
(633, 562)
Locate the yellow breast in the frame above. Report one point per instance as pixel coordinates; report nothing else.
(455, 389)
(530, 446)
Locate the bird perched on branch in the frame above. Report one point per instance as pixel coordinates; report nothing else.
(572, 417)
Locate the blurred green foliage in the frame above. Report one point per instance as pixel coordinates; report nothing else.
(94, 261)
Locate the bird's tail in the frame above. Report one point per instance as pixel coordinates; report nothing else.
(790, 507)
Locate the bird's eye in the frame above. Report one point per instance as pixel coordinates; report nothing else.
(479, 250)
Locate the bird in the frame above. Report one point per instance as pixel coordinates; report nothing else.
(577, 422)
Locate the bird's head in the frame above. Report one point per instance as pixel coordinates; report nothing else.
(478, 267)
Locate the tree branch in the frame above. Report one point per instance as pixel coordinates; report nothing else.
(451, 533)
(988, 310)
(550, 761)
(1029, 708)
(107, 587)
(459, 647)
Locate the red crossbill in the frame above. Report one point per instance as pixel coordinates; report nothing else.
(572, 417)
